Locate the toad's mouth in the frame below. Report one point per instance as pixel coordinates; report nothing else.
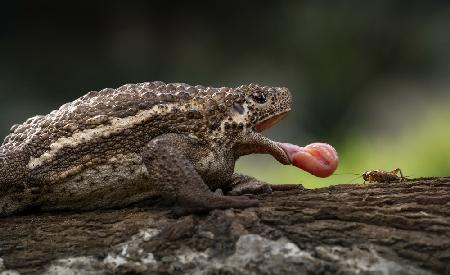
(319, 159)
(267, 123)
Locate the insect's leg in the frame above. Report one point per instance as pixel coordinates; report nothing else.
(401, 174)
(398, 171)
(395, 171)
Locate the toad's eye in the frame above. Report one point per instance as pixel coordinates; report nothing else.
(259, 97)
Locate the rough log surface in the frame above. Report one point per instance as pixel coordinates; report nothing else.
(383, 228)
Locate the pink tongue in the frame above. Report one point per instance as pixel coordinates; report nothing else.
(319, 159)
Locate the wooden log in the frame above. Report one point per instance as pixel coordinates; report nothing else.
(392, 228)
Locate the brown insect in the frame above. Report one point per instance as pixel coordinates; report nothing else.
(383, 176)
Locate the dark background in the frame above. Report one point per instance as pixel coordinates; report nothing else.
(356, 68)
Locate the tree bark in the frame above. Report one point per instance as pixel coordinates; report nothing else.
(382, 228)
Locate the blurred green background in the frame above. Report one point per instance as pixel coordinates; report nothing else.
(371, 78)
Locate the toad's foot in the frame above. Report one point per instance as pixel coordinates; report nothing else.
(242, 184)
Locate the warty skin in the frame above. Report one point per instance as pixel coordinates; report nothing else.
(114, 147)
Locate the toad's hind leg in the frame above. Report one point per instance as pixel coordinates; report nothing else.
(175, 178)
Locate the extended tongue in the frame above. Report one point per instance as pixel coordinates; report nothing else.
(319, 159)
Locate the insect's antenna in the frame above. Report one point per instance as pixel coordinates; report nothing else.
(341, 174)
(359, 176)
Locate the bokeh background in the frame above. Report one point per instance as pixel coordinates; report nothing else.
(370, 77)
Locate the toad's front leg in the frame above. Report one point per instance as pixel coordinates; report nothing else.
(242, 184)
(175, 178)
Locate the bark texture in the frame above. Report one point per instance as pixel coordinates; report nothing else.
(382, 228)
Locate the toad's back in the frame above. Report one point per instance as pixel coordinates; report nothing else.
(103, 123)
